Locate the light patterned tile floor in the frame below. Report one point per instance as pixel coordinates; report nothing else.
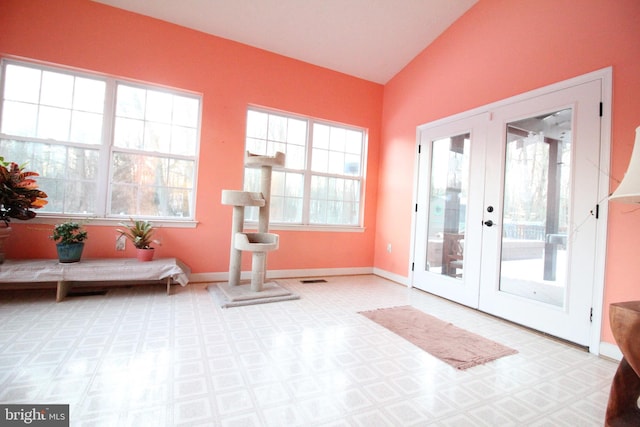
(137, 357)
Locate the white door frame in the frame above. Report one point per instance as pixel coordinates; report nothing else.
(606, 77)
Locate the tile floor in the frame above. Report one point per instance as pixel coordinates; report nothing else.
(136, 357)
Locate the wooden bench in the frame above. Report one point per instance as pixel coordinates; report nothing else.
(92, 270)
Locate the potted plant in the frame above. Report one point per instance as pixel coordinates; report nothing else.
(19, 195)
(140, 233)
(70, 237)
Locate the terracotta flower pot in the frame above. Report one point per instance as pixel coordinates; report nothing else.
(5, 231)
(145, 254)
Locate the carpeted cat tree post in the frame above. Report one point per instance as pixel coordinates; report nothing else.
(258, 243)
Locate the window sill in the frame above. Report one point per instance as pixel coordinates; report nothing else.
(111, 222)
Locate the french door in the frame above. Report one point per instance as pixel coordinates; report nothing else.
(506, 210)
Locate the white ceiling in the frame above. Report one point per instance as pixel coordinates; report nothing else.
(370, 39)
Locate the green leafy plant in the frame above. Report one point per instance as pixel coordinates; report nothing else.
(139, 232)
(19, 193)
(69, 232)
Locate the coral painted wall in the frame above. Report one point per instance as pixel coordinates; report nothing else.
(498, 49)
(230, 76)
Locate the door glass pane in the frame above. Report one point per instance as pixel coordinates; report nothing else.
(536, 207)
(447, 205)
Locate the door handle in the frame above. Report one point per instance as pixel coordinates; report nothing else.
(488, 223)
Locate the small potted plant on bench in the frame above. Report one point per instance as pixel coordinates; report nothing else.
(70, 237)
(140, 234)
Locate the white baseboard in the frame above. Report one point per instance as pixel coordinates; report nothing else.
(392, 276)
(283, 274)
(610, 350)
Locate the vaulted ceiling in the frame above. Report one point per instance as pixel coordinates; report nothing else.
(370, 39)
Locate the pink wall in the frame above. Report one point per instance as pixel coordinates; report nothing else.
(498, 49)
(230, 76)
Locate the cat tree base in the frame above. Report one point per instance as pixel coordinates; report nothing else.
(239, 295)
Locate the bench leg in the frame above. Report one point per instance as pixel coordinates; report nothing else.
(62, 290)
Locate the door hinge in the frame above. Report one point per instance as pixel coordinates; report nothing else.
(601, 108)
(591, 315)
(416, 208)
(413, 265)
(419, 148)
(596, 211)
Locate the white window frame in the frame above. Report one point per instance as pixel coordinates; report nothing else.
(305, 224)
(107, 147)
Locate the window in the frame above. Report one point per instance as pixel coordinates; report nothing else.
(323, 177)
(103, 147)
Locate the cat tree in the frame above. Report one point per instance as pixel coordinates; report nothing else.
(257, 243)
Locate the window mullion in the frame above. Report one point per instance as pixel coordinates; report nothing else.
(362, 178)
(108, 125)
(306, 195)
